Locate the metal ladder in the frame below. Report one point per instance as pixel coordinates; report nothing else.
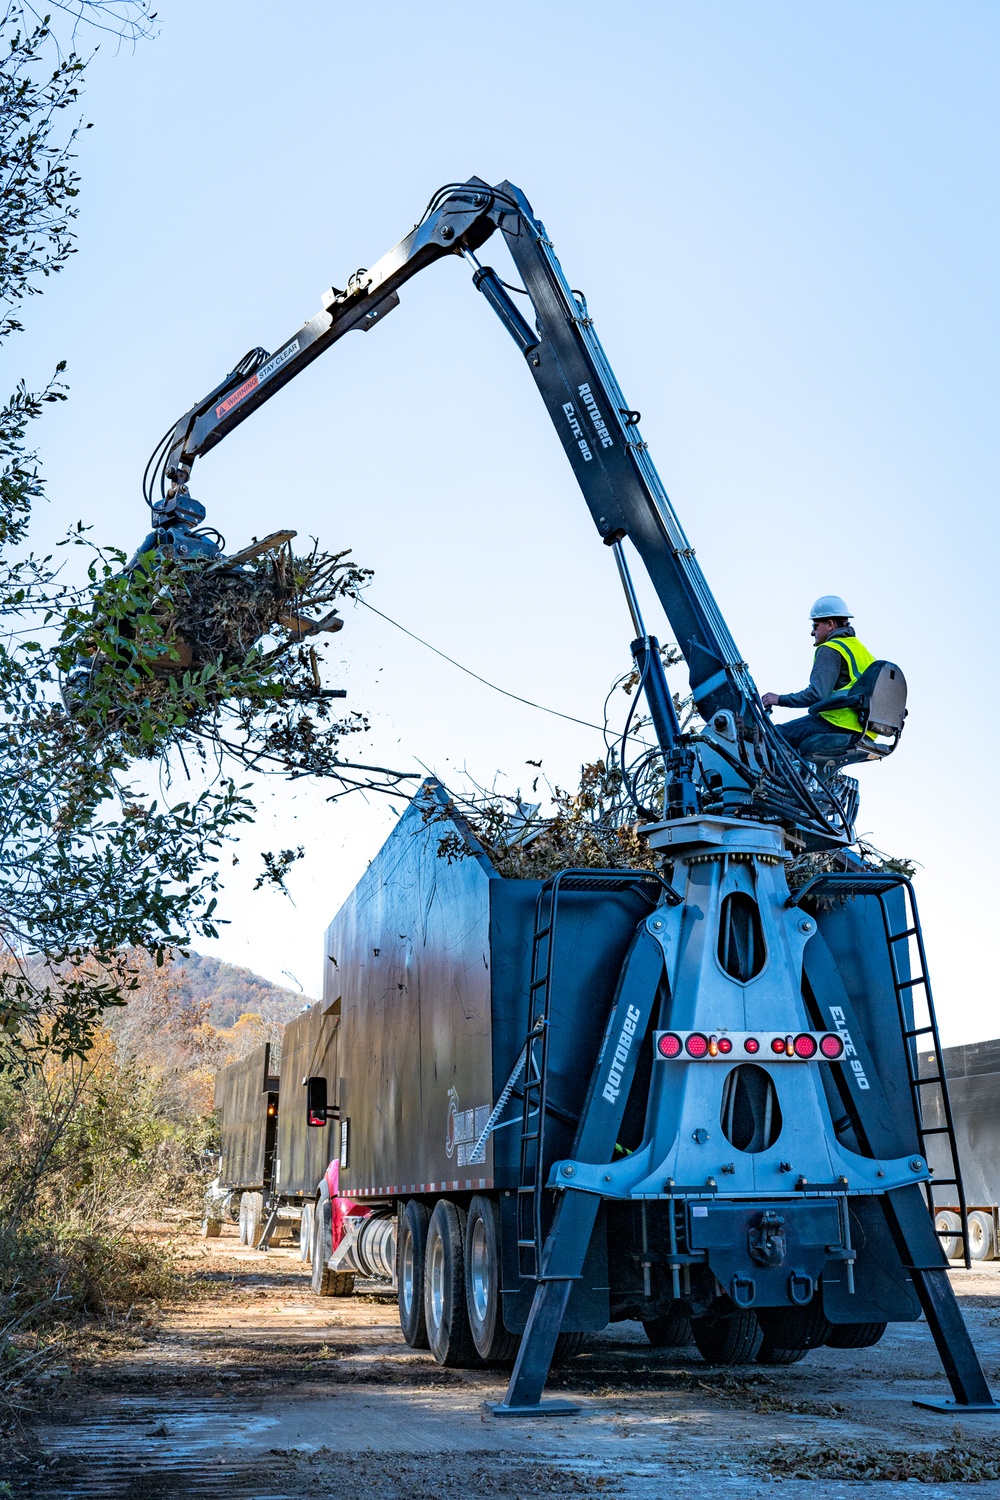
(882, 885)
(536, 1106)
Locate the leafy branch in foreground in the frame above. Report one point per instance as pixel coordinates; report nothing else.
(161, 664)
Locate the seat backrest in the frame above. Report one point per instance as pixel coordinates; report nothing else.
(883, 688)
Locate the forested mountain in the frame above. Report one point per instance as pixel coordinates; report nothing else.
(232, 991)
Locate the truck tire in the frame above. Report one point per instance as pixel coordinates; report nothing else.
(568, 1346)
(981, 1246)
(728, 1338)
(210, 1229)
(243, 1217)
(855, 1335)
(410, 1272)
(327, 1283)
(494, 1345)
(254, 1218)
(672, 1331)
(448, 1333)
(949, 1232)
(790, 1332)
(306, 1232)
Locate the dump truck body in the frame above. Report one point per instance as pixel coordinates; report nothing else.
(974, 1088)
(246, 1101)
(308, 1049)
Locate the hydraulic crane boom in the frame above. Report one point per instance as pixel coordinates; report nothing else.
(742, 764)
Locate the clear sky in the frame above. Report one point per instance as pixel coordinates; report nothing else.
(785, 219)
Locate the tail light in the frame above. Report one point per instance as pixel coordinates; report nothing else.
(772, 1046)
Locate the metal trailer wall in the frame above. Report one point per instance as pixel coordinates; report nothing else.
(974, 1085)
(408, 955)
(308, 1050)
(241, 1091)
(430, 958)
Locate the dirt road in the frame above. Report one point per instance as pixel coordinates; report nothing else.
(255, 1388)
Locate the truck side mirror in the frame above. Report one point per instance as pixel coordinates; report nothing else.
(317, 1108)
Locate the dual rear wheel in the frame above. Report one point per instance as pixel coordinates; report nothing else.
(251, 1219)
(448, 1274)
(775, 1335)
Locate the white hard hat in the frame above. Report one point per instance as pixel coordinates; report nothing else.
(829, 607)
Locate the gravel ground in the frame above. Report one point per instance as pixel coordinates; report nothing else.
(254, 1388)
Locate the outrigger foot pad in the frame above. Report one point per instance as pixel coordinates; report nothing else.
(957, 1408)
(541, 1409)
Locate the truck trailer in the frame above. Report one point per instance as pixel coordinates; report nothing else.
(246, 1101)
(974, 1087)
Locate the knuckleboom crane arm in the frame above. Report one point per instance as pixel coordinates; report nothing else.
(599, 433)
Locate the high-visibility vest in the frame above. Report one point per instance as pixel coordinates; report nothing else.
(857, 657)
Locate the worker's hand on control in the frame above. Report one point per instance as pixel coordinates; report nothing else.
(770, 700)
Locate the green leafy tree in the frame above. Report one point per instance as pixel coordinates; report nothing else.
(155, 664)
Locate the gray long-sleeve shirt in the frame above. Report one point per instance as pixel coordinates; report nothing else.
(828, 674)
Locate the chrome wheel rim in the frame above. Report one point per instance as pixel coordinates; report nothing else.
(436, 1300)
(406, 1274)
(480, 1271)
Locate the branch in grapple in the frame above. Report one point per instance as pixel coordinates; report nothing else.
(183, 633)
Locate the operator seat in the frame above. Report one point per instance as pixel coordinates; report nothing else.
(879, 699)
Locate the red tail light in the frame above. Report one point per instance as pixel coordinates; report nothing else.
(804, 1045)
(751, 1044)
(831, 1045)
(778, 1045)
(697, 1044)
(669, 1045)
(725, 1045)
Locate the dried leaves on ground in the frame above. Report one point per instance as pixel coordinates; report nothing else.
(959, 1463)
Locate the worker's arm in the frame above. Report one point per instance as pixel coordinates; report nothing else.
(822, 680)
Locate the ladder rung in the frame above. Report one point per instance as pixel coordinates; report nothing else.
(919, 1031)
(910, 932)
(919, 1083)
(536, 984)
(541, 932)
(529, 1189)
(944, 1182)
(935, 1130)
(526, 1244)
(908, 984)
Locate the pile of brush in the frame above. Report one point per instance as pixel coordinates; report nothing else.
(219, 611)
(181, 638)
(594, 827)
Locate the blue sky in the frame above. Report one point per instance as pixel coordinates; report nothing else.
(785, 220)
